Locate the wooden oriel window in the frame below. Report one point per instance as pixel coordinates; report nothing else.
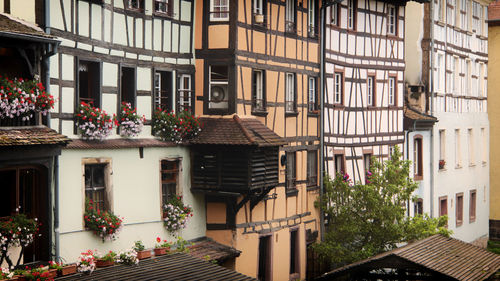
(370, 90)
(89, 82)
(392, 88)
(135, 5)
(258, 91)
(294, 252)
(392, 19)
(128, 85)
(290, 16)
(219, 10)
(291, 170)
(163, 90)
(351, 14)
(95, 185)
(472, 206)
(169, 180)
(265, 258)
(290, 97)
(459, 210)
(338, 88)
(312, 104)
(312, 168)
(417, 157)
(164, 7)
(184, 93)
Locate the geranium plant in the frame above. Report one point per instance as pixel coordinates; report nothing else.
(109, 256)
(176, 214)
(128, 257)
(39, 274)
(104, 224)
(6, 274)
(17, 231)
(130, 122)
(21, 98)
(86, 262)
(55, 265)
(94, 123)
(162, 243)
(175, 127)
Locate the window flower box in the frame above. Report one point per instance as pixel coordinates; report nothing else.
(94, 123)
(67, 270)
(442, 164)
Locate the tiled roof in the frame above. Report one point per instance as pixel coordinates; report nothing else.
(211, 250)
(494, 11)
(236, 131)
(450, 257)
(177, 267)
(10, 25)
(30, 135)
(118, 143)
(415, 115)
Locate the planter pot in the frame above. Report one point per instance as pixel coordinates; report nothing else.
(160, 251)
(67, 270)
(103, 263)
(14, 278)
(144, 254)
(52, 273)
(259, 18)
(21, 278)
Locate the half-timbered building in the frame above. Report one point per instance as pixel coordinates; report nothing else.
(447, 79)
(260, 61)
(114, 51)
(364, 68)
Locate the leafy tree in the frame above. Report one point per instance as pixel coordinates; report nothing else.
(365, 220)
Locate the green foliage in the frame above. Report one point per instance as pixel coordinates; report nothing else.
(494, 247)
(365, 220)
(139, 246)
(177, 128)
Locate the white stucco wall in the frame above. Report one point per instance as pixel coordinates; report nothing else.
(135, 196)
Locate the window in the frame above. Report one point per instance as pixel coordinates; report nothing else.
(290, 14)
(392, 91)
(391, 151)
(164, 7)
(467, 78)
(370, 91)
(163, 85)
(128, 88)
(219, 10)
(484, 146)
(458, 157)
(311, 16)
(334, 14)
(440, 9)
(456, 75)
(169, 180)
(312, 168)
(470, 138)
(184, 93)
(440, 73)
(367, 161)
(294, 252)
(258, 91)
(482, 84)
(218, 90)
(312, 104)
(339, 163)
(338, 94)
(259, 12)
(291, 169)
(265, 259)
(476, 17)
(464, 14)
(258, 7)
(472, 206)
(351, 14)
(443, 206)
(450, 12)
(442, 149)
(419, 207)
(89, 82)
(135, 5)
(95, 185)
(459, 210)
(417, 158)
(290, 101)
(392, 20)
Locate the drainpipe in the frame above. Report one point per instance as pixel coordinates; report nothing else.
(411, 129)
(431, 103)
(56, 208)
(322, 118)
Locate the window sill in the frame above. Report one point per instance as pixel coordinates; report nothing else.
(442, 170)
(292, 192)
(472, 165)
(392, 36)
(472, 220)
(484, 163)
(292, 34)
(163, 15)
(136, 11)
(458, 167)
(291, 114)
(313, 188)
(418, 178)
(259, 26)
(260, 113)
(392, 106)
(338, 105)
(459, 224)
(313, 113)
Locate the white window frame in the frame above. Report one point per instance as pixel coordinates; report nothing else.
(311, 17)
(334, 14)
(458, 155)
(392, 18)
(290, 24)
(222, 14)
(370, 90)
(312, 94)
(391, 97)
(351, 14)
(290, 102)
(259, 103)
(470, 139)
(338, 88)
(184, 94)
(258, 7)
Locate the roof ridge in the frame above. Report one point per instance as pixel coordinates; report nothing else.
(238, 121)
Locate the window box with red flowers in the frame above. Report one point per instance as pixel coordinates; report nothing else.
(94, 123)
(177, 128)
(176, 214)
(104, 224)
(16, 231)
(130, 122)
(162, 247)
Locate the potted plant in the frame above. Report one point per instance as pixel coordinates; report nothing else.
(259, 18)
(105, 260)
(94, 123)
(175, 127)
(16, 231)
(54, 267)
(86, 262)
(104, 224)
(6, 274)
(182, 245)
(176, 214)
(142, 253)
(67, 269)
(130, 122)
(442, 164)
(38, 274)
(128, 257)
(161, 248)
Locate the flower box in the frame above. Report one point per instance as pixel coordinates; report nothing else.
(14, 278)
(104, 263)
(20, 278)
(67, 270)
(160, 251)
(52, 273)
(143, 254)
